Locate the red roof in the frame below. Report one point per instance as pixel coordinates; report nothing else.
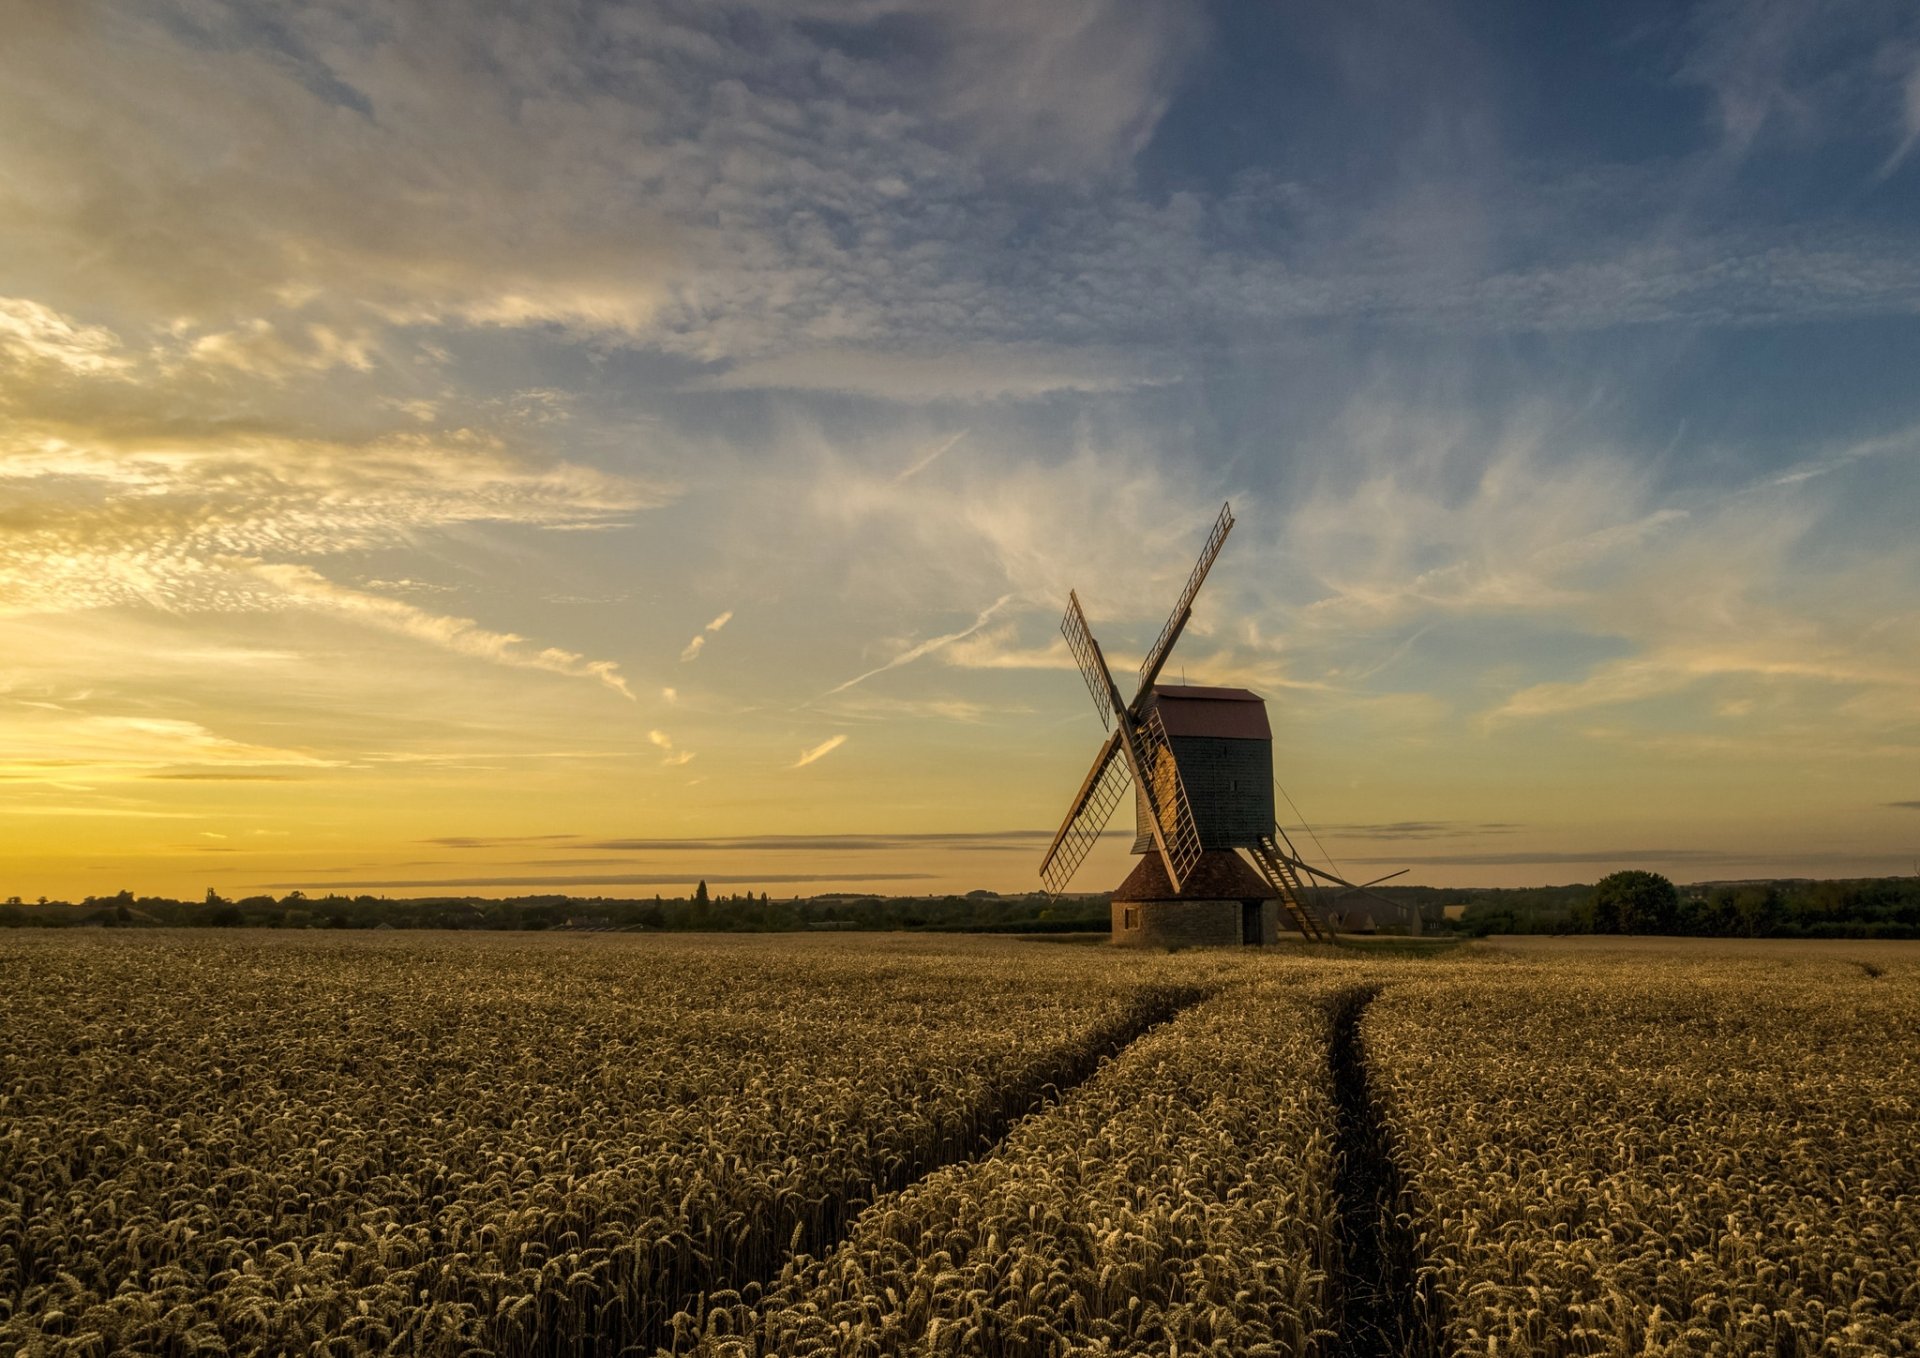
(1222, 713)
(1220, 875)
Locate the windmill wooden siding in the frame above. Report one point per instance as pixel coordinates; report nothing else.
(1223, 747)
(1230, 787)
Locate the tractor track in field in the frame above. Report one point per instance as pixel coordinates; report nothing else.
(1383, 1310)
(830, 1223)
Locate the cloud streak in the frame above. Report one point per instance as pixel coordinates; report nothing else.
(927, 647)
(686, 879)
(692, 650)
(1010, 840)
(817, 752)
(462, 636)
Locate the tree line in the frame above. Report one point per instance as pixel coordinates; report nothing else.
(1630, 902)
(1636, 902)
(734, 912)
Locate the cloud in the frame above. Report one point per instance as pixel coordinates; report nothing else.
(32, 335)
(260, 348)
(1910, 120)
(29, 810)
(1520, 524)
(609, 879)
(155, 518)
(975, 373)
(1061, 92)
(928, 647)
(1906, 806)
(420, 172)
(670, 757)
(496, 841)
(928, 458)
(462, 636)
(224, 777)
(1617, 858)
(1009, 840)
(994, 648)
(59, 742)
(1420, 829)
(820, 751)
(865, 707)
(179, 523)
(694, 647)
(1020, 841)
(1680, 667)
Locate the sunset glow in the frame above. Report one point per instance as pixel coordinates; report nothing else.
(596, 448)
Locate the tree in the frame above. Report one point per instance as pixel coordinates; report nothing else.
(1635, 902)
(700, 893)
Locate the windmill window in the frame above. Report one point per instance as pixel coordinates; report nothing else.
(1130, 917)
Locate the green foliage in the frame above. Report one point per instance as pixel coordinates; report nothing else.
(1633, 902)
(1883, 907)
(981, 912)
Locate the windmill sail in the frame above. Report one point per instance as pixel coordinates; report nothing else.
(1200, 762)
(1166, 798)
(1093, 665)
(1163, 645)
(1173, 829)
(1104, 787)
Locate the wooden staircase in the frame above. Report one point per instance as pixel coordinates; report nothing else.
(1284, 878)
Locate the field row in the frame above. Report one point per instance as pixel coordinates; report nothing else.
(1180, 1202)
(451, 1147)
(742, 1148)
(1661, 1158)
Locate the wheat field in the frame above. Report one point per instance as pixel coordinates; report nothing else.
(436, 1144)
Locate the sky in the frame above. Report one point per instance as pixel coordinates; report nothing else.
(593, 446)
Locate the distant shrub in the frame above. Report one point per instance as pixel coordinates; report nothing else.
(1634, 902)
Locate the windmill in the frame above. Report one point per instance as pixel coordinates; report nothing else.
(1200, 761)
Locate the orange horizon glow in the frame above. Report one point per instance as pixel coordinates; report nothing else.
(528, 457)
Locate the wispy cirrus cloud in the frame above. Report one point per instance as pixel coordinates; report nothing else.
(463, 636)
(184, 522)
(1420, 829)
(817, 752)
(669, 756)
(32, 335)
(1011, 840)
(77, 741)
(692, 650)
(927, 647)
(685, 879)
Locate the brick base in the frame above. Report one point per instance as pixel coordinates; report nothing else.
(1193, 924)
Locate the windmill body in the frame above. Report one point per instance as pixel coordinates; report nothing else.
(1222, 745)
(1219, 746)
(1200, 763)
